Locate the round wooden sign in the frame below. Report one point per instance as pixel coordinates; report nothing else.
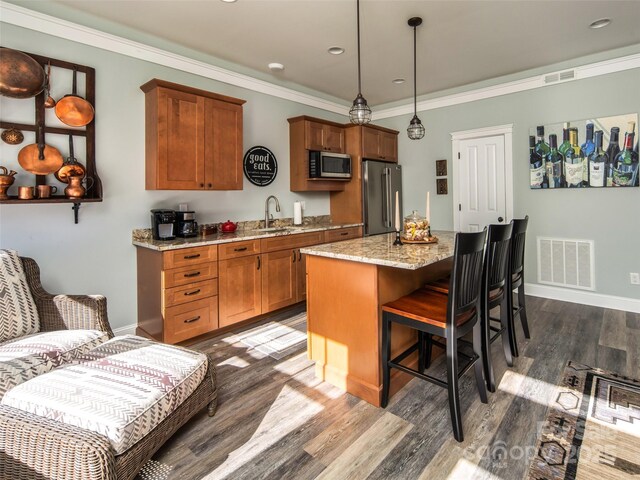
(260, 166)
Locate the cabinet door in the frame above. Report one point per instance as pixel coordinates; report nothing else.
(240, 289)
(388, 146)
(333, 139)
(370, 142)
(223, 145)
(301, 277)
(279, 279)
(179, 137)
(313, 136)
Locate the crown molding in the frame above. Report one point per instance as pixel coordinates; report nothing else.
(25, 18)
(619, 64)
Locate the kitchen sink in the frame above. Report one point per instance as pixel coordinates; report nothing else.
(272, 229)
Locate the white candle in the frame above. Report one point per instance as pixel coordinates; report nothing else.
(428, 208)
(397, 212)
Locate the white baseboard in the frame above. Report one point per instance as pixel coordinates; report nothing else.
(586, 298)
(126, 330)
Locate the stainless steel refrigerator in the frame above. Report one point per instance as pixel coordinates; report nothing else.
(380, 182)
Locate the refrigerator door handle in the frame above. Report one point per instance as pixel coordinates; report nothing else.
(388, 189)
(385, 195)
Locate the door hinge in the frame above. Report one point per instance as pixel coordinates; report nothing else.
(458, 155)
(459, 207)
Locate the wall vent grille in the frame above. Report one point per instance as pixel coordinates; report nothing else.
(553, 77)
(568, 75)
(559, 77)
(566, 263)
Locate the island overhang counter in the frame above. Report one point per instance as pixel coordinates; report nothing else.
(347, 283)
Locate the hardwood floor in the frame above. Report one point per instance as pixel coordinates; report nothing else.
(277, 421)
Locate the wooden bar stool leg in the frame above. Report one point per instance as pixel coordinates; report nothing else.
(386, 356)
(486, 350)
(452, 388)
(511, 331)
(504, 323)
(479, 366)
(421, 349)
(428, 349)
(523, 311)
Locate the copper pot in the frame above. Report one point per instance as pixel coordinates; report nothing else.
(71, 166)
(39, 158)
(75, 188)
(73, 110)
(7, 177)
(20, 75)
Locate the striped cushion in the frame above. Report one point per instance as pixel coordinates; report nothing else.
(123, 389)
(18, 313)
(33, 355)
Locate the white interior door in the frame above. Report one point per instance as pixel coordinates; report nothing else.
(481, 182)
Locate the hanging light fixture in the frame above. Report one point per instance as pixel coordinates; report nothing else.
(360, 113)
(415, 129)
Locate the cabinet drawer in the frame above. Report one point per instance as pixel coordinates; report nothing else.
(189, 293)
(342, 234)
(297, 240)
(191, 319)
(189, 256)
(185, 275)
(238, 249)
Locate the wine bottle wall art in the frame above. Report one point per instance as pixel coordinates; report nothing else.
(593, 153)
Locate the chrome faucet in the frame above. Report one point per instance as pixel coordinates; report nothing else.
(268, 217)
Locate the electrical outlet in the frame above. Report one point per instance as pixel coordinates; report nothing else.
(634, 278)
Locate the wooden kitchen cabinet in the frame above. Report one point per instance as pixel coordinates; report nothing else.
(177, 293)
(340, 234)
(379, 143)
(324, 136)
(279, 279)
(193, 138)
(306, 134)
(240, 283)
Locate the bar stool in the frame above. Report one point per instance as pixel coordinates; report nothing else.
(449, 316)
(493, 294)
(516, 281)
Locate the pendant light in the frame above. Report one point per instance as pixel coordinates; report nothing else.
(360, 112)
(415, 129)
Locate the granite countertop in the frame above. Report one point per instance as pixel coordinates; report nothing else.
(379, 250)
(142, 237)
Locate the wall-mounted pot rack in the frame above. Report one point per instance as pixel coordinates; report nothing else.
(94, 193)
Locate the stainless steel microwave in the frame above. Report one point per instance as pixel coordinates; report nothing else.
(329, 165)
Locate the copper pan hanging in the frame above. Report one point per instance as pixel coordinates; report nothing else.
(40, 158)
(71, 167)
(21, 76)
(73, 110)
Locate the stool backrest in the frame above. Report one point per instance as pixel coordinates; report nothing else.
(496, 258)
(466, 278)
(517, 244)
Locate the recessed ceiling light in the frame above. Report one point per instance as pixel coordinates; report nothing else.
(229, 1)
(398, 81)
(335, 50)
(603, 22)
(276, 67)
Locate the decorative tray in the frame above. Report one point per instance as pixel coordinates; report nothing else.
(421, 242)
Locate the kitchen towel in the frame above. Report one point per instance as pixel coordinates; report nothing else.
(297, 213)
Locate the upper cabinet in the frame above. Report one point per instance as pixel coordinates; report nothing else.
(306, 134)
(193, 138)
(379, 143)
(324, 136)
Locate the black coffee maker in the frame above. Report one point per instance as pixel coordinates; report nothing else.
(163, 224)
(186, 225)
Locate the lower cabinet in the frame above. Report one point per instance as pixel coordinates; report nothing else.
(191, 319)
(240, 287)
(279, 284)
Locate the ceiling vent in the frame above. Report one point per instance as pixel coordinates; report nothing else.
(559, 77)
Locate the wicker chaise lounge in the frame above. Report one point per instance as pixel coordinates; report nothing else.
(33, 447)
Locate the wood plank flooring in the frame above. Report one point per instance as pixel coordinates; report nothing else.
(275, 420)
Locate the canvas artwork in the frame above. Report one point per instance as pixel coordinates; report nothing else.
(596, 152)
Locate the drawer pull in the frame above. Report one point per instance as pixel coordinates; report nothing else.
(344, 233)
(258, 258)
(299, 256)
(189, 257)
(241, 249)
(194, 319)
(189, 275)
(293, 256)
(195, 292)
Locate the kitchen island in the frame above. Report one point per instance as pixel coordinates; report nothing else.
(347, 283)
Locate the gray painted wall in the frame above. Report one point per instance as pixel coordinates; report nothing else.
(609, 216)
